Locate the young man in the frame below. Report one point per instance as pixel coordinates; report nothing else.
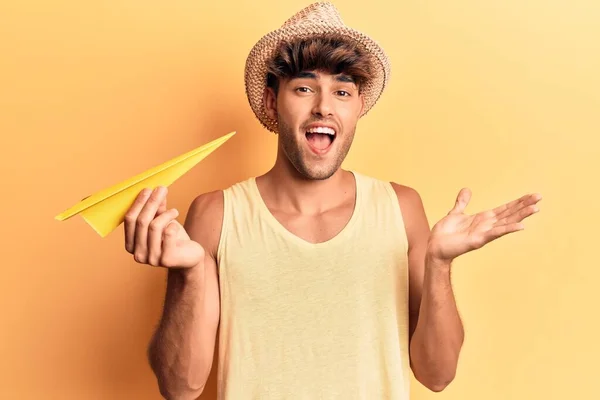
(325, 283)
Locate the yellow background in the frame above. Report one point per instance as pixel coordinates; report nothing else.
(499, 96)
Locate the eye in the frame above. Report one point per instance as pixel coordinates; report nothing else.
(303, 89)
(344, 93)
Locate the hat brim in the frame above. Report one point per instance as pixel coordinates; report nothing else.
(255, 75)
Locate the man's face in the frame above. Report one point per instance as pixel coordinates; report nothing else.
(317, 115)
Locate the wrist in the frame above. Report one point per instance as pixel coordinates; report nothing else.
(192, 274)
(436, 263)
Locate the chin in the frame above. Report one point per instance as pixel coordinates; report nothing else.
(317, 171)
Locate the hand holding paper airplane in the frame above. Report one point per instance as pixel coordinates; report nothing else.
(105, 210)
(155, 237)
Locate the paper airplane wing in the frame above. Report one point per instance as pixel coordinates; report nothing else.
(105, 210)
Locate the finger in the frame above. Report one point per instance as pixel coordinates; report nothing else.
(162, 207)
(462, 200)
(518, 215)
(529, 203)
(131, 217)
(526, 202)
(521, 202)
(500, 209)
(146, 215)
(499, 231)
(155, 235)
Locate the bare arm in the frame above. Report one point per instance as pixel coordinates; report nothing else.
(182, 349)
(436, 331)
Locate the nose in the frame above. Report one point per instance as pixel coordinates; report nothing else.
(323, 106)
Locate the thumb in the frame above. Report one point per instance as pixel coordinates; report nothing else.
(462, 200)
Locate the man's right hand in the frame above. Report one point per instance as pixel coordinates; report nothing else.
(155, 237)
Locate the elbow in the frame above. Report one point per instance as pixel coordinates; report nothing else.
(436, 383)
(168, 392)
(434, 378)
(436, 373)
(172, 385)
(438, 386)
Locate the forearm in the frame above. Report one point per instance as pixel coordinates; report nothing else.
(181, 350)
(438, 336)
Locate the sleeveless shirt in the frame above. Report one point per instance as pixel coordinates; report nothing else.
(309, 321)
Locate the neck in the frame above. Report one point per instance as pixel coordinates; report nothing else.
(283, 188)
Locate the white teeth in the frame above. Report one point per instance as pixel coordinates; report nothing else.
(322, 129)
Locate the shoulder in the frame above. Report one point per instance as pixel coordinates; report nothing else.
(408, 197)
(204, 220)
(206, 202)
(413, 212)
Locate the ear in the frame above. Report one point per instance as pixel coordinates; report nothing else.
(362, 103)
(270, 103)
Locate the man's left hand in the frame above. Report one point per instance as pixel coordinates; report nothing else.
(458, 233)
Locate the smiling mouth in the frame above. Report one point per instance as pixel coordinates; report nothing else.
(320, 138)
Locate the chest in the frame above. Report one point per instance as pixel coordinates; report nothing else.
(278, 277)
(317, 228)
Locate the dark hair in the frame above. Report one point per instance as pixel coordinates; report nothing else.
(332, 54)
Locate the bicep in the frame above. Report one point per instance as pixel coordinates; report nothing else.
(417, 231)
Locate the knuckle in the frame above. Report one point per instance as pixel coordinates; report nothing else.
(154, 225)
(143, 221)
(166, 260)
(478, 243)
(171, 229)
(153, 260)
(139, 257)
(130, 216)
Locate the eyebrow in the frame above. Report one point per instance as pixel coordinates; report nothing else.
(312, 75)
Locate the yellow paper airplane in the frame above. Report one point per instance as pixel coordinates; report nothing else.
(105, 210)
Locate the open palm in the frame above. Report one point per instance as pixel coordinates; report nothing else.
(458, 233)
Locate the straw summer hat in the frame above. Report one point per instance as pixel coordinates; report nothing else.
(316, 19)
